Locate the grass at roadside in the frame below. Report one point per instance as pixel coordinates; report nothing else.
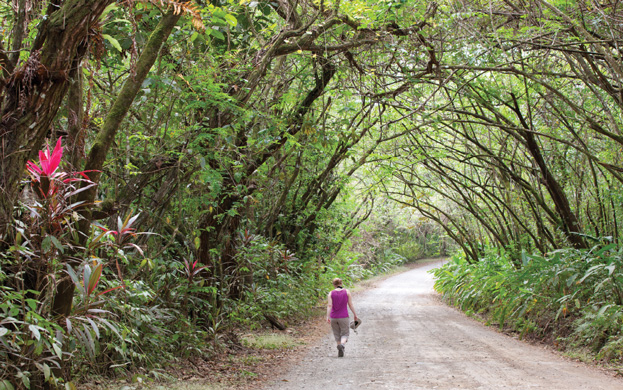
(270, 341)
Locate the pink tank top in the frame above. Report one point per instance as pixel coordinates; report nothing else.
(340, 300)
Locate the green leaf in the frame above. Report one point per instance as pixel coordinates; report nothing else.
(25, 381)
(57, 350)
(108, 9)
(605, 249)
(113, 41)
(219, 13)
(219, 22)
(74, 278)
(35, 332)
(57, 244)
(70, 386)
(46, 244)
(32, 304)
(90, 343)
(231, 19)
(6, 385)
(603, 310)
(86, 276)
(217, 34)
(46, 372)
(94, 278)
(95, 327)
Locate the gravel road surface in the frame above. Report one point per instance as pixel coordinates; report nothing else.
(410, 340)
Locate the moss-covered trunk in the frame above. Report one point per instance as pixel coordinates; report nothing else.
(35, 90)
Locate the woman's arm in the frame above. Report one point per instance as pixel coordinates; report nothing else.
(329, 307)
(350, 304)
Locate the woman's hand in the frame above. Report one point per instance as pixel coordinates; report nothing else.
(328, 320)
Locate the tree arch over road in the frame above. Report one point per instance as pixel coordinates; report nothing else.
(223, 122)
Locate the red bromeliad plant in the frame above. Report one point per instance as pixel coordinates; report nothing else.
(116, 241)
(44, 244)
(45, 177)
(123, 234)
(87, 317)
(45, 174)
(55, 190)
(191, 269)
(285, 257)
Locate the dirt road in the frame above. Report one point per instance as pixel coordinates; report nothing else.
(410, 340)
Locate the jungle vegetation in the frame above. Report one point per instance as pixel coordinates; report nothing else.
(170, 169)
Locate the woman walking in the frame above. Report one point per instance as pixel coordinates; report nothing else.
(339, 300)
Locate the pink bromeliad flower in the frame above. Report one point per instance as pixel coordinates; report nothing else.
(48, 162)
(44, 175)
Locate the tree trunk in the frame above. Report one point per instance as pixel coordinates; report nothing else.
(75, 120)
(124, 100)
(34, 92)
(571, 226)
(19, 29)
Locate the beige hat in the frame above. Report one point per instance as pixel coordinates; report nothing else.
(355, 324)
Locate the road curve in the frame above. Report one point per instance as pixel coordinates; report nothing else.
(410, 340)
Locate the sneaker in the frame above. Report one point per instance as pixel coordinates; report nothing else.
(340, 350)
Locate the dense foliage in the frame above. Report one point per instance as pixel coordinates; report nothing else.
(572, 296)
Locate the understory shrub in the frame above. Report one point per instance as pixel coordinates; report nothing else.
(572, 295)
(110, 319)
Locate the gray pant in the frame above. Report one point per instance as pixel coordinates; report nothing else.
(340, 328)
